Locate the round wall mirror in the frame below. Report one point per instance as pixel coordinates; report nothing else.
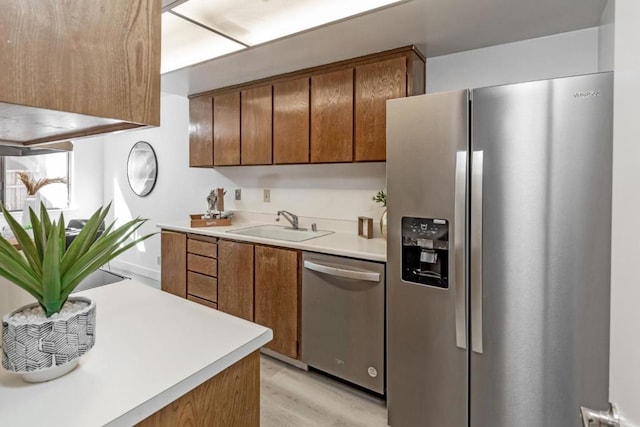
(142, 168)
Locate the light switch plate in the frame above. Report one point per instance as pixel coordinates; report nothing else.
(267, 195)
(238, 194)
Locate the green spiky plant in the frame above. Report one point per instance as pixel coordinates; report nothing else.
(49, 271)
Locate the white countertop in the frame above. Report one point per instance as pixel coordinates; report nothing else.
(151, 348)
(339, 243)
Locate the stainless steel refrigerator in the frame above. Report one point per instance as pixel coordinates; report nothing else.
(499, 227)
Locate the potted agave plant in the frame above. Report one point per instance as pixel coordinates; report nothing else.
(45, 340)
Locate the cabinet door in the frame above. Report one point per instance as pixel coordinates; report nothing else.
(276, 297)
(256, 119)
(235, 278)
(375, 83)
(201, 131)
(332, 117)
(226, 129)
(291, 121)
(173, 256)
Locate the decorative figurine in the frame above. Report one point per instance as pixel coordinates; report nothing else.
(215, 201)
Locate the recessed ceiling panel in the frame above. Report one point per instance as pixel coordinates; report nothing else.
(258, 21)
(184, 43)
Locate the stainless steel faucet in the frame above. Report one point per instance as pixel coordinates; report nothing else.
(293, 219)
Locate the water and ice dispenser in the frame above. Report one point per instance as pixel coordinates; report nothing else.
(425, 251)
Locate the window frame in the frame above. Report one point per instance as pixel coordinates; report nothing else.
(3, 182)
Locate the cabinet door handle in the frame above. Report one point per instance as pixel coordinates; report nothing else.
(369, 276)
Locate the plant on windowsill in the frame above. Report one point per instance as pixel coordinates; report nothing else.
(45, 340)
(381, 197)
(32, 186)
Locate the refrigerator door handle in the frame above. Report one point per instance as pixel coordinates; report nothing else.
(477, 165)
(460, 248)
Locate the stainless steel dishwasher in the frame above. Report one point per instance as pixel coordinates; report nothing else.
(343, 318)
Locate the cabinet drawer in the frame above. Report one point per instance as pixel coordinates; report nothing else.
(202, 248)
(202, 301)
(202, 286)
(201, 264)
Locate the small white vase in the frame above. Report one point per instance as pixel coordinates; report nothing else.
(383, 224)
(32, 202)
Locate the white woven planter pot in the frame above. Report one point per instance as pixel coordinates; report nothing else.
(46, 349)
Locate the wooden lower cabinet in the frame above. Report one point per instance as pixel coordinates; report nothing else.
(173, 255)
(276, 296)
(258, 283)
(230, 399)
(235, 278)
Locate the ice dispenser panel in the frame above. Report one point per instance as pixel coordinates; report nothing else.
(425, 251)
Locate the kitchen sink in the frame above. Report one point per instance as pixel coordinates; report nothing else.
(278, 232)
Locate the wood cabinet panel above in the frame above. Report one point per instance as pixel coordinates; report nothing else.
(317, 115)
(291, 121)
(332, 117)
(201, 132)
(226, 129)
(256, 115)
(84, 70)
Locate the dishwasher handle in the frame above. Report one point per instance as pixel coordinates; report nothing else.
(369, 276)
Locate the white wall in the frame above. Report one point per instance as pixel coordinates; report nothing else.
(625, 289)
(87, 176)
(606, 31)
(340, 191)
(559, 55)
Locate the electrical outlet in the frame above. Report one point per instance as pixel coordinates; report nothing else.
(267, 195)
(158, 261)
(238, 194)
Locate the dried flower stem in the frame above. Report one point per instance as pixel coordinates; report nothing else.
(33, 185)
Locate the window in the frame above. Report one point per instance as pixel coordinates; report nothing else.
(55, 196)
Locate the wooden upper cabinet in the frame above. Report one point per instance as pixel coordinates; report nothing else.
(327, 114)
(332, 117)
(276, 296)
(173, 256)
(226, 129)
(235, 278)
(86, 69)
(374, 84)
(291, 121)
(256, 118)
(201, 131)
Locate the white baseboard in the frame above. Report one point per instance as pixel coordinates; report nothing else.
(136, 269)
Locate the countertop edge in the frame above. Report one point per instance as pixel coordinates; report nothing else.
(315, 245)
(178, 390)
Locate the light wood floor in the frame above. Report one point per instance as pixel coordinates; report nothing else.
(290, 397)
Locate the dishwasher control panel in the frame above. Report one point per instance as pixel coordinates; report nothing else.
(425, 251)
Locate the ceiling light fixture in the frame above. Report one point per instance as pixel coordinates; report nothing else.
(184, 43)
(249, 23)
